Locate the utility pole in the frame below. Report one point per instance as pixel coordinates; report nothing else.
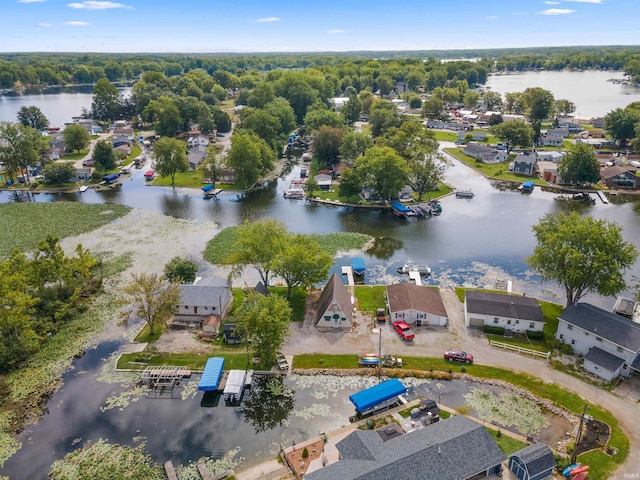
(574, 454)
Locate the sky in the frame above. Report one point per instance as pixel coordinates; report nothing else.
(192, 26)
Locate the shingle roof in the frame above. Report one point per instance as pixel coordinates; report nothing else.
(510, 306)
(477, 148)
(614, 171)
(614, 328)
(432, 453)
(204, 295)
(604, 359)
(405, 296)
(335, 289)
(537, 457)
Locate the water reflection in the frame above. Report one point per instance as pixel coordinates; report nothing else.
(384, 247)
(269, 403)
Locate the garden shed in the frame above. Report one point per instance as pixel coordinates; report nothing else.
(534, 462)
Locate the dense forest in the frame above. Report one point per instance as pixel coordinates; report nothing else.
(17, 69)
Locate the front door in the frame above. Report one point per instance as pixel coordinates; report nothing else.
(336, 321)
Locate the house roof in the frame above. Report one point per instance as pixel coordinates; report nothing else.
(204, 295)
(538, 458)
(614, 328)
(335, 289)
(480, 149)
(406, 296)
(510, 306)
(526, 158)
(261, 289)
(604, 359)
(615, 171)
(435, 452)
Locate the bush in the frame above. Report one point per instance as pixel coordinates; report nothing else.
(493, 330)
(535, 335)
(305, 453)
(566, 349)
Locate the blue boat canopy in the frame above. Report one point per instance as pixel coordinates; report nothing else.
(528, 184)
(211, 374)
(357, 263)
(398, 207)
(377, 394)
(112, 177)
(208, 187)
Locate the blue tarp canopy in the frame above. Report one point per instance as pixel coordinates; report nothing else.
(528, 184)
(211, 375)
(377, 394)
(400, 207)
(357, 263)
(209, 187)
(112, 177)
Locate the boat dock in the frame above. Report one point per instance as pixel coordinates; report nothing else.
(416, 277)
(170, 470)
(213, 193)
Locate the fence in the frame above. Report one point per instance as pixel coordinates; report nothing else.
(515, 348)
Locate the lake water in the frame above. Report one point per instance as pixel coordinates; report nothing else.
(58, 104)
(592, 94)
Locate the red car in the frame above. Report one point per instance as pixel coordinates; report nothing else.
(452, 355)
(403, 330)
(381, 315)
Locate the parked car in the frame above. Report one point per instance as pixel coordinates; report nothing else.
(381, 315)
(452, 355)
(88, 162)
(403, 330)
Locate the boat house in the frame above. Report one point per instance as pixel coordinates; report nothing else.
(335, 308)
(376, 397)
(416, 305)
(112, 177)
(512, 312)
(235, 385)
(211, 375)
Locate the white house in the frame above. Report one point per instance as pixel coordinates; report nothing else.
(416, 305)
(511, 312)
(550, 140)
(323, 180)
(486, 154)
(338, 102)
(335, 307)
(550, 156)
(199, 140)
(609, 343)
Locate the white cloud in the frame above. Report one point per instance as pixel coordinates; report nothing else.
(491, 17)
(31, 1)
(76, 24)
(42, 24)
(336, 30)
(552, 3)
(585, 1)
(557, 11)
(95, 5)
(268, 20)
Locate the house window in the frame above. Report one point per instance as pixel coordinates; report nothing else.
(508, 322)
(569, 327)
(186, 307)
(561, 336)
(344, 319)
(495, 320)
(206, 308)
(532, 325)
(586, 334)
(573, 341)
(517, 322)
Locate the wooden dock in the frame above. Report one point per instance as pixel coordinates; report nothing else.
(170, 471)
(204, 473)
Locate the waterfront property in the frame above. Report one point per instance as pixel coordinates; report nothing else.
(620, 177)
(335, 308)
(201, 300)
(457, 448)
(416, 305)
(610, 343)
(485, 154)
(515, 313)
(525, 163)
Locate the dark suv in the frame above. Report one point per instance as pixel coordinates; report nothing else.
(452, 355)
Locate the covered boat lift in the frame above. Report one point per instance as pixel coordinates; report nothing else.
(211, 375)
(402, 210)
(357, 263)
(378, 397)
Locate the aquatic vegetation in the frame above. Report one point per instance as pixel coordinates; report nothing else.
(105, 460)
(215, 467)
(25, 224)
(189, 391)
(8, 444)
(123, 399)
(507, 409)
(315, 410)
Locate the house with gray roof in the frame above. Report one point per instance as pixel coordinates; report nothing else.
(525, 163)
(511, 312)
(533, 462)
(485, 154)
(609, 343)
(335, 310)
(205, 297)
(416, 305)
(454, 449)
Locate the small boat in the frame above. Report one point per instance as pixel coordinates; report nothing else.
(83, 188)
(466, 193)
(577, 471)
(567, 471)
(401, 210)
(295, 193)
(410, 267)
(358, 266)
(526, 187)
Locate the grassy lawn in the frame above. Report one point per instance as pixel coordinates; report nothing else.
(493, 170)
(520, 341)
(366, 129)
(75, 156)
(140, 360)
(506, 443)
(370, 298)
(188, 179)
(24, 225)
(135, 151)
(442, 136)
(145, 335)
(297, 301)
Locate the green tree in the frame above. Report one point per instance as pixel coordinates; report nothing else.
(539, 103)
(621, 123)
(565, 107)
(385, 84)
(471, 98)
(383, 170)
(171, 158)
(250, 157)
(367, 98)
(76, 137)
(264, 321)
(105, 104)
(104, 156)
(262, 123)
(33, 117)
(258, 244)
(433, 108)
(164, 112)
(261, 95)
(321, 116)
(59, 172)
(514, 102)
(492, 100)
(579, 166)
(326, 144)
(302, 262)
(152, 299)
(280, 108)
(414, 100)
(212, 164)
(383, 116)
(582, 254)
(20, 147)
(351, 110)
(310, 186)
(222, 120)
(514, 133)
(350, 183)
(354, 144)
(181, 270)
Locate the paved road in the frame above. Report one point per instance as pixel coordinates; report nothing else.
(432, 341)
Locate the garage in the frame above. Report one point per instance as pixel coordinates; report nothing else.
(476, 322)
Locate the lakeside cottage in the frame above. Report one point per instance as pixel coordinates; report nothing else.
(204, 298)
(335, 308)
(416, 305)
(486, 154)
(516, 313)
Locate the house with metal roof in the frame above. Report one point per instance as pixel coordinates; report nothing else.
(609, 343)
(511, 312)
(454, 449)
(335, 308)
(416, 305)
(533, 462)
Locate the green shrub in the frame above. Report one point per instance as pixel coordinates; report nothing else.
(493, 330)
(535, 335)
(566, 349)
(305, 453)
